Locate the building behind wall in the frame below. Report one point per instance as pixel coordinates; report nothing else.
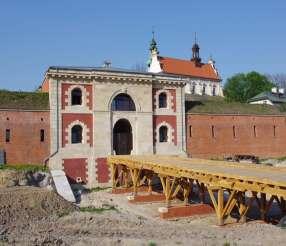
(201, 78)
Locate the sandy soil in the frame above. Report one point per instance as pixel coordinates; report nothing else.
(129, 224)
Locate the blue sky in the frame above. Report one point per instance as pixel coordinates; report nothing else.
(241, 35)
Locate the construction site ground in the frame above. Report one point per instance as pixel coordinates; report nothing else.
(38, 216)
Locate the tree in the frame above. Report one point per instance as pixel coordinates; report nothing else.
(241, 87)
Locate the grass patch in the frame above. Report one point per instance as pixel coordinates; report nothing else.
(24, 100)
(283, 158)
(25, 167)
(218, 105)
(96, 189)
(98, 210)
(152, 244)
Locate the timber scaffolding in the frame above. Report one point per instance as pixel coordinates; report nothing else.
(244, 183)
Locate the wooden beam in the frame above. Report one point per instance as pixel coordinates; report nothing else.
(220, 205)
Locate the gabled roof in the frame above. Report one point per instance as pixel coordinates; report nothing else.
(266, 95)
(188, 68)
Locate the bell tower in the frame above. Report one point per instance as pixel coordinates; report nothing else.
(196, 52)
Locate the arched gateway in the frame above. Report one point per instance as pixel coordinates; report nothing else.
(122, 137)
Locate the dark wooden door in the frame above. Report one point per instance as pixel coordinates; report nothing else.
(122, 138)
(123, 143)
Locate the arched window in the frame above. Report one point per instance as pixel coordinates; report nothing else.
(76, 136)
(123, 102)
(163, 134)
(163, 100)
(76, 96)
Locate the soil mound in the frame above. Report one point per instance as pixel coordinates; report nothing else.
(23, 204)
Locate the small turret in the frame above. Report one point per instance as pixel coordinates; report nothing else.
(196, 52)
(153, 62)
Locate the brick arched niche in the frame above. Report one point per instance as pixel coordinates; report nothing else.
(84, 96)
(85, 133)
(171, 133)
(171, 101)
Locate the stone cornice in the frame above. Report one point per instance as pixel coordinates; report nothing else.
(110, 76)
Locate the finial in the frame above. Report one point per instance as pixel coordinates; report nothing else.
(153, 44)
(195, 37)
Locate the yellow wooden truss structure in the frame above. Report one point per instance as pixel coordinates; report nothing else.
(229, 185)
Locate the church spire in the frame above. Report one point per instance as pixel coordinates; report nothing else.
(153, 44)
(154, 65)
(196, 52)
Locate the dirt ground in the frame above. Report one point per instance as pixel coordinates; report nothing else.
(37, 216)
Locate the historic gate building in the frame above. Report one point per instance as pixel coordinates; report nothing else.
(95, 112)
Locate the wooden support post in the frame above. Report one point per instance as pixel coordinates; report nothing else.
(186, 192)
(220, 205)
(135, 173)
(169, 189)
(113, 171)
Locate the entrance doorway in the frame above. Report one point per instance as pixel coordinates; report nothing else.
(122, 137)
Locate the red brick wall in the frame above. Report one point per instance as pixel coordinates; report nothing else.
(170, 119)
(69, 118)
(25, 146)
(65, 88)
(76, 168)
(102, 170)
(173, 100)
(45, 86)
(224, 143)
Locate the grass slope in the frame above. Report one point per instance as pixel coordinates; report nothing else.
(218, 105)
(24, 100)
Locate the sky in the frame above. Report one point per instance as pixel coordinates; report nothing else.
(240, 35)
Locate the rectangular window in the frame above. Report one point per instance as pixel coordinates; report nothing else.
(274, 131)
(213, 132)
(233, 132)
(214, 89)
(254, 131)
(193, 89)
(42, 135)
(190, 129)
(8, 135)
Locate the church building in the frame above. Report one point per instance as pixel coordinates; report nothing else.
(201, 78)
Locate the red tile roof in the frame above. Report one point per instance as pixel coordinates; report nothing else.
(188, 68)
